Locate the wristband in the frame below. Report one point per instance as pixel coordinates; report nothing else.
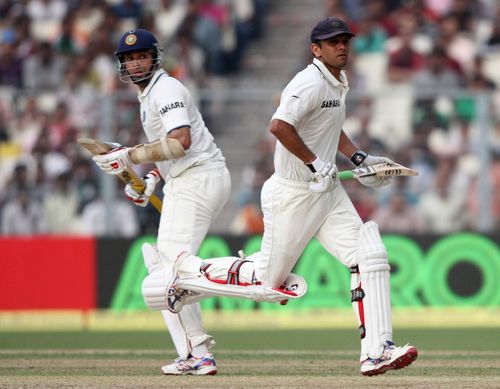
(358, 157)
(310, 165)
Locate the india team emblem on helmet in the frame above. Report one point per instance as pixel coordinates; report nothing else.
(130, 39)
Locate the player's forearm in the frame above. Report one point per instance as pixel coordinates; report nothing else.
(346, 146)
(288, 137)
(160, 150)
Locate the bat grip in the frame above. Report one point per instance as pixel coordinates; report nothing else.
(346, 175)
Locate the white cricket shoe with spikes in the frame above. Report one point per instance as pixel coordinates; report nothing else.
(392, 358)
(191, 366)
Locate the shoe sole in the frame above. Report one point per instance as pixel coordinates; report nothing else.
(211, 372)
(399, 363)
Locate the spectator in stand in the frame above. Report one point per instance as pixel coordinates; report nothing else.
(86, 184)
(42, 10)
(128, 9)
(169, 15)
(66, 41)
(60, 206)
(185, 61)
(96, 220)
(23, 216)
(26, 128)
(19, 180)
(80, 96)
(26, 43)
(435, 77)
(405, 61)
(43, 71)
(443, 207)
(46, 16)
(370, 37)
(493, 42)
(399, 216)
(59, 125)
(460, 46)
(11, 66)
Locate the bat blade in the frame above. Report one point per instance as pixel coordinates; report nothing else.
(381, 169)
(96, 147)
(384, 170)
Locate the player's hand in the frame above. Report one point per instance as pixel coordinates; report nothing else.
(325, 175)
(373, 160)
(142, 199)
(375, 182)
(114, 161)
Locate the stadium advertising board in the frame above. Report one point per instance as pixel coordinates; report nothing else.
(84, 273)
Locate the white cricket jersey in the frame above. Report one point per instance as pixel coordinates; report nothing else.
(166, 105)
(314, 103)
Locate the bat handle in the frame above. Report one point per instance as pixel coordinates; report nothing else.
(155, 202)
(346, 175)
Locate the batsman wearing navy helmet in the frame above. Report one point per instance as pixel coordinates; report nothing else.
(196, 184)
(304, 199)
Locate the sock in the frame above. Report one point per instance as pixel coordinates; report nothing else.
(199, 351)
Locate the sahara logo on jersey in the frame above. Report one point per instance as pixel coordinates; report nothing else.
(331, 104)
(168, 107)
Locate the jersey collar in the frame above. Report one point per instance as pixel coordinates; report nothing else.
(153, 81)
(329, 76)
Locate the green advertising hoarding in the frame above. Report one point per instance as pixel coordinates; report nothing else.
(455, 270)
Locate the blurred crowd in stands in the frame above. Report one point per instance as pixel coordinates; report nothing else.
(418, 70)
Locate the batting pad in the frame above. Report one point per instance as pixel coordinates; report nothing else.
(374, 275)
(215, 280)
(154, 288)
(259, 293)
(185, 328)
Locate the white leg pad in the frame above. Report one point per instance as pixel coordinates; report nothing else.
(151, 257)
(185, 328)
(374, 276)
(190, 278)
(259, 293)
(154, 290)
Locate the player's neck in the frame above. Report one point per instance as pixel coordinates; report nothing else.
(334, 71)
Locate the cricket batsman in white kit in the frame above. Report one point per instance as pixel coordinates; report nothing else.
(304, 199)
(197, 182)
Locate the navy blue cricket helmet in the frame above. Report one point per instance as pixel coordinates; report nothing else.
(138, 40)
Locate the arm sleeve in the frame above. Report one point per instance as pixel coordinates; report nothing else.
(297, 99)
(171, 102)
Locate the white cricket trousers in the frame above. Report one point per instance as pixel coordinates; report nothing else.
(293, 215)
(191, 202)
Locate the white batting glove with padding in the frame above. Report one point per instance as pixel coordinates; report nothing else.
(142, 199)
(360, 158)
(114, 161)
(325, 175)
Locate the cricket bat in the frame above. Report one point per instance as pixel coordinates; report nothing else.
(381, 170)
(96, 147)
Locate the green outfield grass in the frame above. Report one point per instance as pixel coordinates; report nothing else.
(474, 339)
(449, 358)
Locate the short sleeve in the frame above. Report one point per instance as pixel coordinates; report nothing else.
(298, 98)
(171, 101)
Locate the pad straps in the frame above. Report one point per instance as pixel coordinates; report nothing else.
(233, 274)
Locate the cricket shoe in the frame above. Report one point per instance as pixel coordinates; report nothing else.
(191, 366)
(392, 358)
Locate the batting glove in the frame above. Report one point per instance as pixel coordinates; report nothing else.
(150, 181)
(360, 158)
(325, 175)
(114, 161)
